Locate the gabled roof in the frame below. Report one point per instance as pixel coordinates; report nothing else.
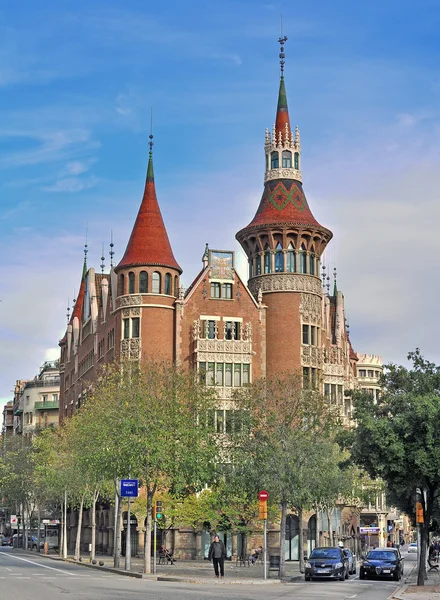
(149, 243)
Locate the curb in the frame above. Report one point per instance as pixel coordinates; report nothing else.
(397, 594)
(176, 579)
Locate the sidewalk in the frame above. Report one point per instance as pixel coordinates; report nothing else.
(190, 571)
(410, 591)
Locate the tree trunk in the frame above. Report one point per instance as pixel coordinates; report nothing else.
(330, 532)
(78, 531)
(147, 546)
(301, 540)
(427, 503)
(282, 538)
(65, 526)
(61, 544)
(317, 542)
(93, 515)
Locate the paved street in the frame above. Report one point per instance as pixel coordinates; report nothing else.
(33, 577)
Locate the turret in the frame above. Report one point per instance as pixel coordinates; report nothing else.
(284, 243)
(147, 281)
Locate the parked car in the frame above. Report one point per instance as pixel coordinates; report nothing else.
(33, 542)
(412, 547)
(351, 561)
(6, 541)
(382, 562)
(327, 563)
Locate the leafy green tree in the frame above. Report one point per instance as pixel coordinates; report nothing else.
(141, 422)
(397, 438)
(287, 425)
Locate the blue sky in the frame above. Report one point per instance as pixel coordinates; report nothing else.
(78, 79)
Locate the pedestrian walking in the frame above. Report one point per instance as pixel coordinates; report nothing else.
(217, 553)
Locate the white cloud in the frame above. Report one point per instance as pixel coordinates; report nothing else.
(72, 184)
(52, 146)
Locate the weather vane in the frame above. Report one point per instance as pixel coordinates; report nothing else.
(282, 40)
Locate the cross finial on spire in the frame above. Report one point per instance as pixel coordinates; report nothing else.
(102, 260)
(282, 40)
(111, 253)
(151, 143)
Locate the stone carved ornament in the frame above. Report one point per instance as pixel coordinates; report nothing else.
(311, 308)
(130, 300)
(285, 282)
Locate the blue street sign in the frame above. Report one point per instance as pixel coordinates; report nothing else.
(129, 488)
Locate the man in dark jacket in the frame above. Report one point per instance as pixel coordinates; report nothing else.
(217, 552)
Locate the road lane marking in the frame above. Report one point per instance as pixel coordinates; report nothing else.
(32, 562)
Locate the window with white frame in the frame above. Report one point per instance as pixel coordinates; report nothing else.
(225, 374)
(131, 328)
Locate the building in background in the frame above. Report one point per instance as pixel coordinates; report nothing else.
(369, 372)
(36, 401)
(8, 418)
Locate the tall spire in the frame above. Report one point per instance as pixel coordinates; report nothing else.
(282, 122)
(149, 243)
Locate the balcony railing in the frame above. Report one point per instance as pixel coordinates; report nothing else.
(52, 382)
(46, 405)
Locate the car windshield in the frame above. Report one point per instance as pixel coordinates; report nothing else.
(381, 555)
(325, 553)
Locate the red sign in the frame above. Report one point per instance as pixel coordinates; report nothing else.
(263, 495)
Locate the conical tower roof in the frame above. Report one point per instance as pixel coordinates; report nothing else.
(283, 202)
(282, 119)
(149, 243)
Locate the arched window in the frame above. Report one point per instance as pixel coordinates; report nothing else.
(312, 264)
(131, 282)
(168, 284)
(121, 285)
(274, 160)
(267, 260)
(291, 266)
(176, 286)
(287, 159)
(143, 282)
(302, 260)
(258, 264)
(279, 259)
(296, 160)
(155, 283)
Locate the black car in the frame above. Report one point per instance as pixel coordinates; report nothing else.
(382, 562)
(327, 563)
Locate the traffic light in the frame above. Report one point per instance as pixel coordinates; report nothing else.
(262, 509)
(157, 513)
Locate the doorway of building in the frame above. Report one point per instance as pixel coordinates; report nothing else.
(134, 541)
(291, 538)
(311, 534)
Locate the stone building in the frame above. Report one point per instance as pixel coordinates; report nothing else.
(282, 317)
(36, 401)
